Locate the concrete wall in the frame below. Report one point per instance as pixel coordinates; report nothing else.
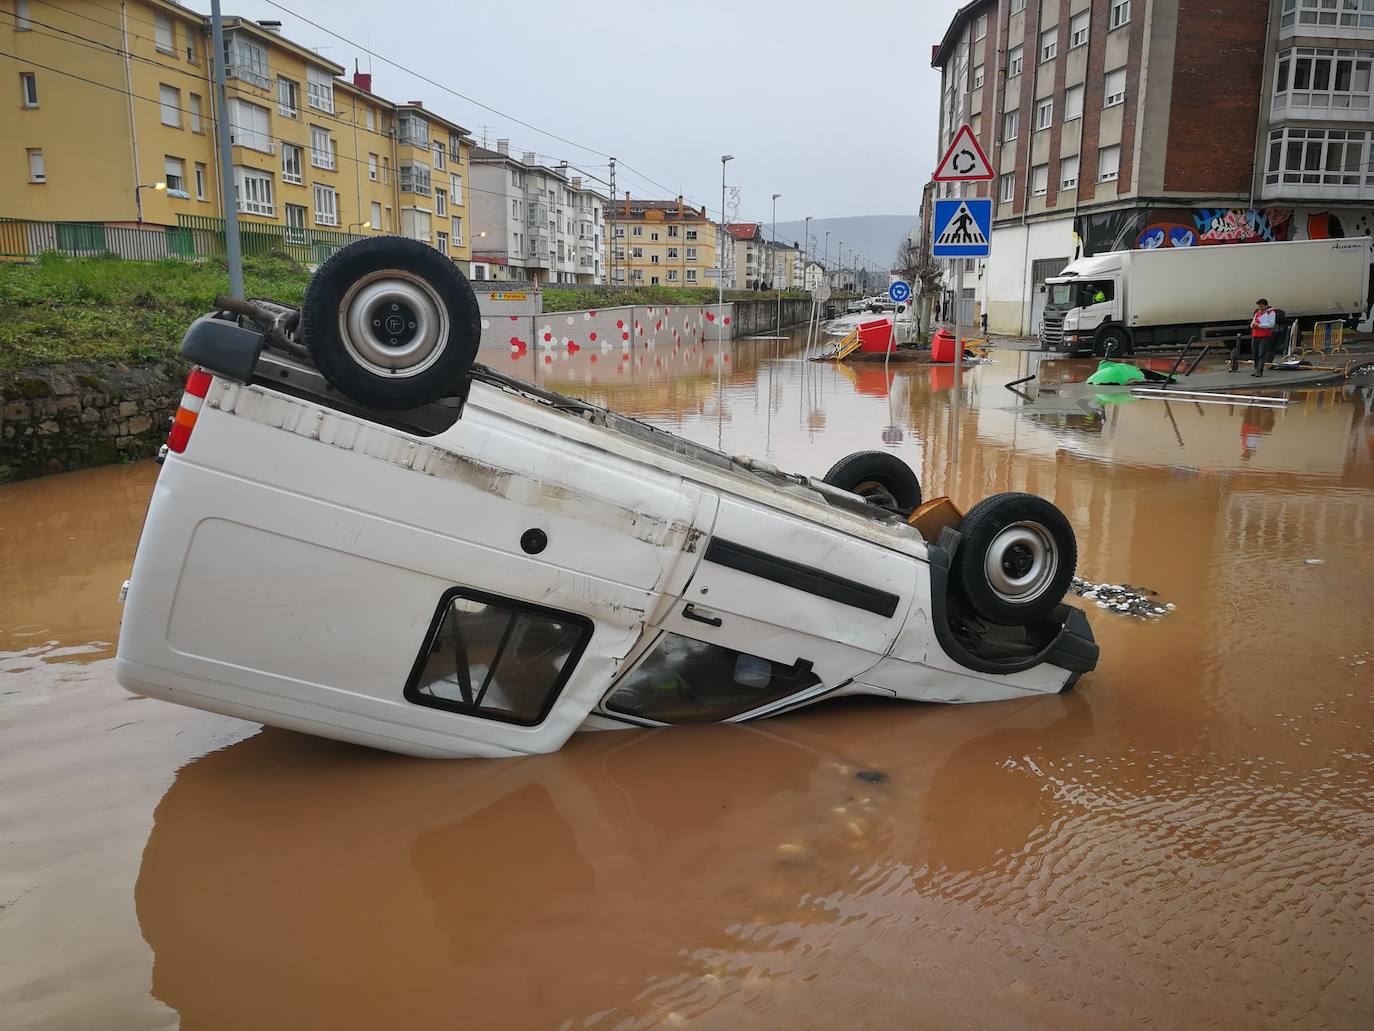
(1006, 287)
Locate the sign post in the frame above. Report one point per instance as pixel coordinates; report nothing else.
(961, 229)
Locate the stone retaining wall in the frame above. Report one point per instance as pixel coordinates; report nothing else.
(58, 419)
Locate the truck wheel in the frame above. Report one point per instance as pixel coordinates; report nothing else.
(391, 322)
(1113, 342)
(880, 478)
(1016, 558)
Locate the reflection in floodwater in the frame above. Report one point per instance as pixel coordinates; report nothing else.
(1186, 838)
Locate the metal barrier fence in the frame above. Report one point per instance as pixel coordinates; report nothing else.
(193, 237)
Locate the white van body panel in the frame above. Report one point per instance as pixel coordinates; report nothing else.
(294, 558)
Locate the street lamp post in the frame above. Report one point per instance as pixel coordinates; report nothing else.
(138, 196)
(773, 264)
(720, 255)
(825, 258)
(806, 247)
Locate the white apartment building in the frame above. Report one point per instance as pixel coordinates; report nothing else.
(531, 222)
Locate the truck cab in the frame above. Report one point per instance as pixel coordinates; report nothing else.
(1078, 303)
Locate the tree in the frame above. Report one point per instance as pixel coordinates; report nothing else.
(923, 272)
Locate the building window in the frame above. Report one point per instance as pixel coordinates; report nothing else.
(691, 254)
(415, 178)
(691, 275)
(1040, 180)
(515, 210)
(1078, 29)
(1049, 43)
(1017, 6)
(441, 241)
(174, 174)
(1323, 80)
(249, 126)
(653, 259)
(414, 130)
(1349, 14)
(439, 154)
(978, 76)
(637, 231)
(1068, 172)
(21, 16)
(200, 181)
(618, 232)
(1108, 163)
(691, 234)
(1073, 103)
(980, 27)
(164, 34)
(288, 97)
(370, 119)
(319, 89)
(196, 124)
(372, 167)
(1114, 88)
(291, 171)
(440, 203)
(254, 191)
(322, 148)
(672, 275)
(245, 59)
(1121, 13)
(28, 89)
(457, 230)
(636, 252)
(455, 189)
(653, 280)
(295, 223)
(672, 231)
(1014, 61)
(1011, 126)
(169, 97)
(326, 205)
(386, 169)
(375, 217)
(1007, 187)
(1321, 157)
(455, 151)
(1044, 113)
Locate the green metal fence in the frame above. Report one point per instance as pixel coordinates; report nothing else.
(193, 237)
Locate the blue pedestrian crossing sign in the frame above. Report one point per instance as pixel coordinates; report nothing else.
(898, 292)
(962, 228)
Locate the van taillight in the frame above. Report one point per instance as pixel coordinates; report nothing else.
(197, 386)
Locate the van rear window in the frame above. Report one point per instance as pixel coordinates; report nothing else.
(497, 658)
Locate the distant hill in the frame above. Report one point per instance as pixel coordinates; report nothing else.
(874, 236)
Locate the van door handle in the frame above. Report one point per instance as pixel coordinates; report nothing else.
(689, 611)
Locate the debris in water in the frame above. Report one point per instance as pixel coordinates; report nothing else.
(1123, 598)
(871, 776)
(1313, 561)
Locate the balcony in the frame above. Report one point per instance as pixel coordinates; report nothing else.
(536, 214)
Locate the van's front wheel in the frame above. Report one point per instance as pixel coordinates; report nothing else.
(391, 323)
(1016, 557)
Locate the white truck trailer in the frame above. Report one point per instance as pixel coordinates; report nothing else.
(1110, 304)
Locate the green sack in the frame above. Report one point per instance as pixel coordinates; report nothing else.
(1115, 374)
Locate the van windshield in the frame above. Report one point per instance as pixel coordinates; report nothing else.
(1060, 294)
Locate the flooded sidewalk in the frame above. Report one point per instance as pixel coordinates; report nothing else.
(1187, 838)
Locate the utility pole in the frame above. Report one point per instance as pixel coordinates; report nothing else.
(612, 208)
(226, 171)
(773, 264)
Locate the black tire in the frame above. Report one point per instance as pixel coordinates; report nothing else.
(437, 327)
(1113, 342)
(880, 478)
(1016, 558)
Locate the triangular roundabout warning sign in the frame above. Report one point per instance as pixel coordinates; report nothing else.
(965, 161)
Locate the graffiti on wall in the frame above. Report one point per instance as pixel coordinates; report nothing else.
(1334, 225)
(1182, 227)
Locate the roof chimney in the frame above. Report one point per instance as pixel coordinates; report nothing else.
(528, 157)
(363, 80)
(577, 182)
(503, 147)
(416, 103)
(273, 27)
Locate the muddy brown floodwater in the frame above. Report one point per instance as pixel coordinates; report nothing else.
(1185, 840)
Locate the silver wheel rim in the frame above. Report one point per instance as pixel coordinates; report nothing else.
(393, 323)
(1021, 562)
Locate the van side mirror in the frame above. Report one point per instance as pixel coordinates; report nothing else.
(1042, 288)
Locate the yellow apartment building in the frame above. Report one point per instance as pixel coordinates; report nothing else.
(116, 126)
(660, 243)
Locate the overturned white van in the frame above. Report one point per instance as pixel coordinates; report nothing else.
(359, 533)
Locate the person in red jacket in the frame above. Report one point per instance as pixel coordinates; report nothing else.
(1262, 334)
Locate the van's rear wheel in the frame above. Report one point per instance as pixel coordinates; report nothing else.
(880, 478)
(1016, 557)
(391, 323)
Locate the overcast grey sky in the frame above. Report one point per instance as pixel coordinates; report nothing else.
(833, 105)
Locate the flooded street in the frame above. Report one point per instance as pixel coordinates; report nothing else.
(1185, 840)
